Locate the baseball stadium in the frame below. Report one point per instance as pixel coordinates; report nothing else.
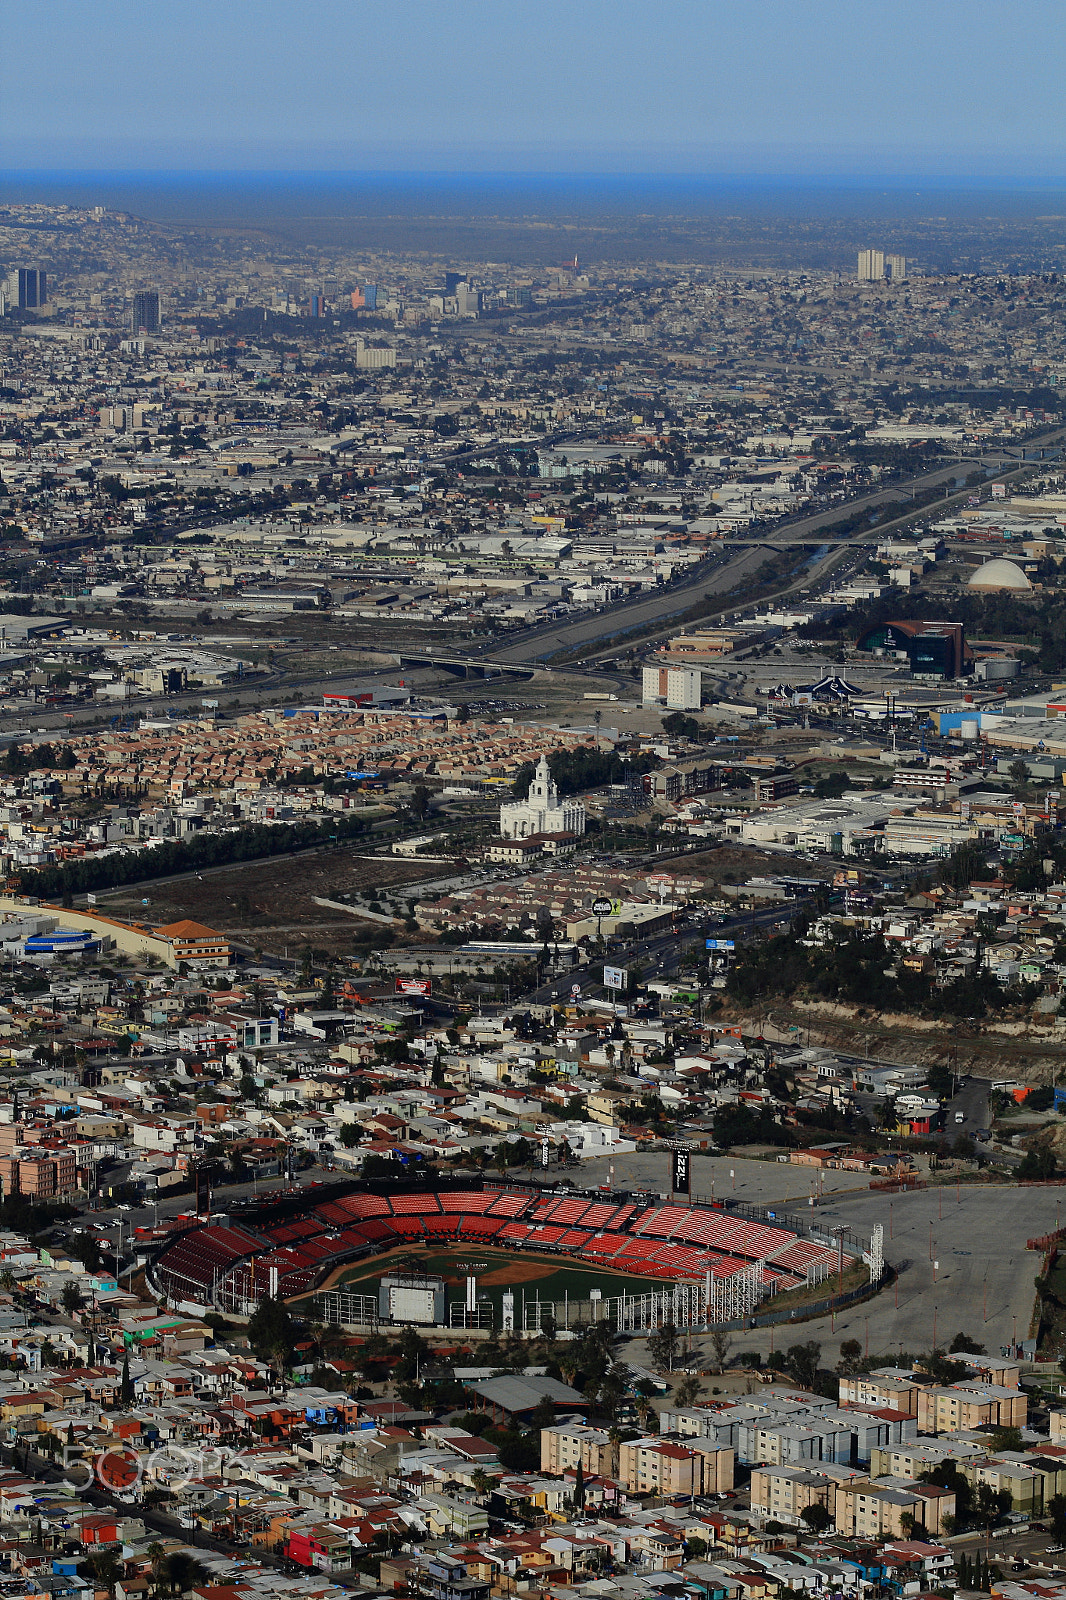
(636, 1260)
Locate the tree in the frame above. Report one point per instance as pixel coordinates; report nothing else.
(801, 1363)
(480, 1481)
(1057, 1512)
(941, 1081)
(71, 1299)
(413, 1353)
(183, 1571)
(695, 1548)
(156, 1556)
(989, 1505)
(962, 1344)
(1006, 1439)
(663, 1347)
(126, 1391)
(106, 1568)
(271, 1332)
(850, 1355)
(1038, 1166)
(817, 1517)
(579, 1488)
(1018, 773)
(614, 1439)
(686, 1391)
(946, 1475)
(720, 1344)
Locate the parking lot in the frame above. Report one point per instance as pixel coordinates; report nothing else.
(960, 1254)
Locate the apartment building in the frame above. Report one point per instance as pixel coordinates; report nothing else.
(880, 1389)
(1030, 1480)
(922, 1455)
(961, 1407)
(564, 1447)
(890, 1509)
(783, 1494)
(661, 1466)
(40, 1176)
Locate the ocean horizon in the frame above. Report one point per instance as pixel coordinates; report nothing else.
(252, 197)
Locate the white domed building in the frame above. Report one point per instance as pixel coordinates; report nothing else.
(1000, 574)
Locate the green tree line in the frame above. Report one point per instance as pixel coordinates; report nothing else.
(248, 843)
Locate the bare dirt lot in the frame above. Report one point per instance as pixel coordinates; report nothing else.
(271, 904)
(736, 864)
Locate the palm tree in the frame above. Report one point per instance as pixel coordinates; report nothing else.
(156, 1557)
(614, 1439)
(480, 1481)
(182, 1571)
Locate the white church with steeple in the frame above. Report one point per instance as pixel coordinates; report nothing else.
(541, 811)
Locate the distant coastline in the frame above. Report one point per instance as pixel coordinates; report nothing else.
(250, 197)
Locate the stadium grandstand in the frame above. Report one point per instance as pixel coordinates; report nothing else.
(230, 1267)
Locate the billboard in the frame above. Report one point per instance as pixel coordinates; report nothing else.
(681, 1179)
(614, 977)
(721, 944)
(420, 986)
(602, 907)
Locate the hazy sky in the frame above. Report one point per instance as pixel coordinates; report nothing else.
(912, 87)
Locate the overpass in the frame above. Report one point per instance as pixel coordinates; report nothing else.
(464, 666)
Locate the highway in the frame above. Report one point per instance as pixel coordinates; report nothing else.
(664, 949)
(709, 578)
(638, 615)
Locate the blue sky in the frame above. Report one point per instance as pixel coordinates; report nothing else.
(806, 87)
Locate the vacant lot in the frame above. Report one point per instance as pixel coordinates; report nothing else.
(737, 863)
(270, 905)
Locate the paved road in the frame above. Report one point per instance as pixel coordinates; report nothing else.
(663, 950)
(631, 616)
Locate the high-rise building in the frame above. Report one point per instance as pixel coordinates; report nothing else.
(27, 287)
(452, 280)
(895, 267)
(680, 687)
(145, 317)
(871, 266)
(370, 296)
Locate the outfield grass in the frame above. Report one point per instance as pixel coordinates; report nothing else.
(530, 1276)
